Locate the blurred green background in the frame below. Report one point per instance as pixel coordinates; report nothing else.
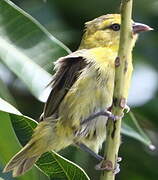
(65, 20)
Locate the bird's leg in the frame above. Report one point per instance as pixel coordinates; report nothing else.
(106, 113)
(88, 150)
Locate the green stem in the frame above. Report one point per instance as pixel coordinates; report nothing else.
(123, 74)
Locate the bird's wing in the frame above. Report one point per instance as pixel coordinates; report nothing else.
(68, 69)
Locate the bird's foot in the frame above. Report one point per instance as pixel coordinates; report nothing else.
(114, 117)
(106, 165)
(105, 113)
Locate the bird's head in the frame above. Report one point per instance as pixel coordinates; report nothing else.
(104, 31)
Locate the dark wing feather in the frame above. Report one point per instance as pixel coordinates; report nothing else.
(66, 75)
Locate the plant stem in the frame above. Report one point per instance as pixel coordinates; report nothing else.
(123, 74)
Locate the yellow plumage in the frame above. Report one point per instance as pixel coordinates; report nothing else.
(91, 92)
(83, 84)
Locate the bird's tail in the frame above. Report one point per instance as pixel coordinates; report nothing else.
(21, 162)
(29, 154)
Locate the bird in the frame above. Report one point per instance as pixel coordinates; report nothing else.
(82, 86)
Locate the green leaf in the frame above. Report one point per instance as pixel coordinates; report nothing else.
(25, 46)
(6, 107)
(52, 164)
(131, 128)
(9, 144)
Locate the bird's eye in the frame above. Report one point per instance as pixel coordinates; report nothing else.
(115, 27)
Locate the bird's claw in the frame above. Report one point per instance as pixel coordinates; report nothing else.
(127, 108)
(114, 117)
(119, 159)
(117, 168)
(106, 165)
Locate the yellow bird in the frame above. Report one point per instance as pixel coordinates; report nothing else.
(82, 86)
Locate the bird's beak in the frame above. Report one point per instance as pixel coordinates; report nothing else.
(139, 27)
